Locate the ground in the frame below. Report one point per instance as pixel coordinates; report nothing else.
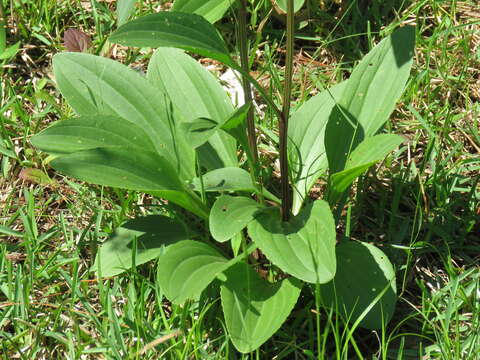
(422, 205)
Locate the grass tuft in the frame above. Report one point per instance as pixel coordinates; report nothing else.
(421, 206)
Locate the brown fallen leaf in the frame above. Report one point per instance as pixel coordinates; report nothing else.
(159, 341)
(76, 40)
(35, 176)
(15, 257)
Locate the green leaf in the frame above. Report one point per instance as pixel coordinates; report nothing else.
(379, 79)
(225, 179)
(10, 51)
(236, 243)
(90, 132)
(369, 152)
(369, 98)
(187, 268)
(253, 308)
(174, 29)
(198, 131)
(363, 273)
(211, 10)
(181, 77)
(229, 179)
(4, 150)
(125, 8)
(373, 149)
(131, 169)
(297, 5)
(95, 85)
(303, 247)
(320, 129)
(229, 215)
(306, 146)
(7, 231)
(235, 125)
(151, 233)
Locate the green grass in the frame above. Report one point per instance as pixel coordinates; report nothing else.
(421, 206)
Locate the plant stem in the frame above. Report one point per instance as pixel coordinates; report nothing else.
(257, 86)
(198, 207)
(247, 89)
(3, 28)
(200, 176)
(317, 318)
(286, 114)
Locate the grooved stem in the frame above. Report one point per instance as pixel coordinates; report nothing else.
(286, 204)
(247, 89)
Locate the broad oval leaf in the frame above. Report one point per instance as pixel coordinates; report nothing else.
(229, 179)
(364, 285)
(151, 233)
(95, 85)
(378, 81)
(132, 169)
(211, 10)
(90, 132)
(373, 149)
(306, 147)
(370, 96)
(181, 77)
(230, 214)
(369, 152)
(303, 247)
(187, 268)
(225, 179)
(253, 308)
(174, 29)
